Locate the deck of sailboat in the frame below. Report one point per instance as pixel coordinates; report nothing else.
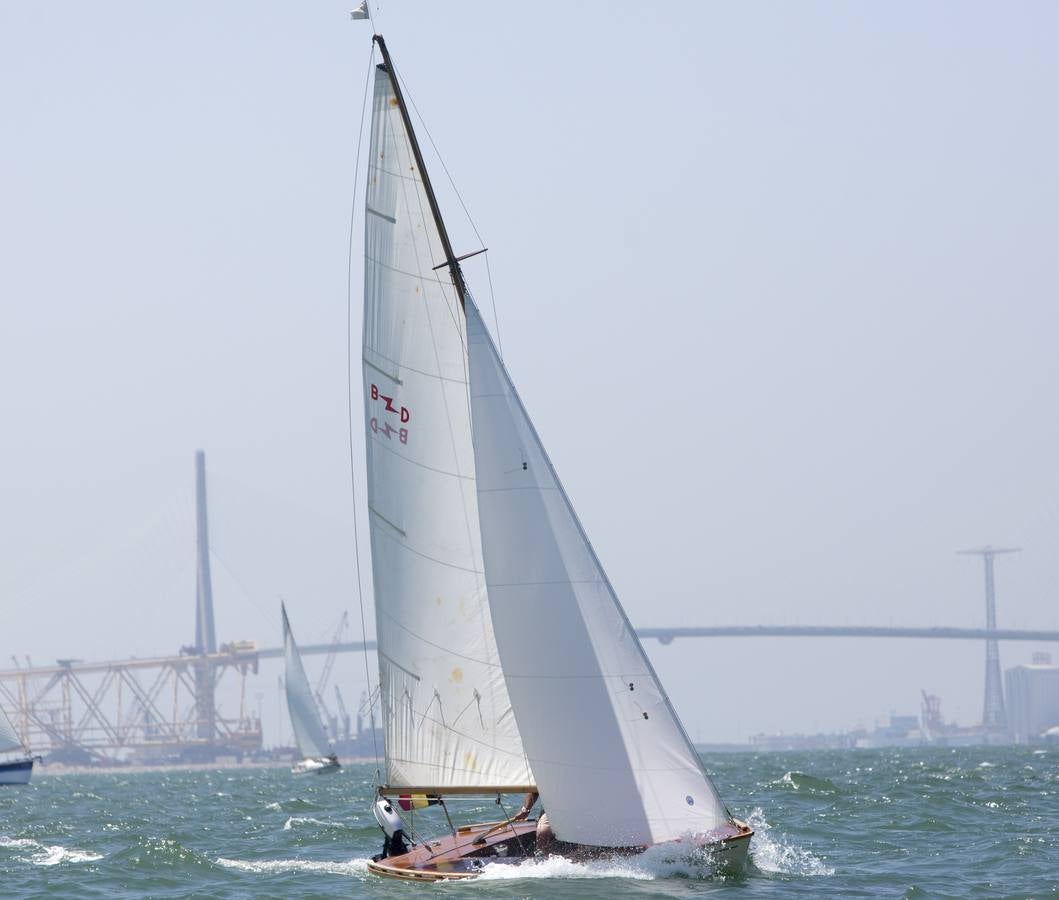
(463, 854)
(466, 853)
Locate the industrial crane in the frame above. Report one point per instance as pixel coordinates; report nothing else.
(343, 714)
(325, 674)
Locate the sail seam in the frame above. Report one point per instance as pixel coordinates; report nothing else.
(619, 675)
(378, 442)
(384, 171)
(502, 584)
(409, 368)
(418, 276)
(433, 559)
(419, 637)
(504, 490)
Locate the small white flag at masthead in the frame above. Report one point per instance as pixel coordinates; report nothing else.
(361, 12)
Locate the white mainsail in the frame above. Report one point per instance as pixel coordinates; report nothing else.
(612, 762)
(304, 716)
(446, 713)
(9, 740)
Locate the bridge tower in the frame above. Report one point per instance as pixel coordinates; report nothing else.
(205, 636)
(994, 718)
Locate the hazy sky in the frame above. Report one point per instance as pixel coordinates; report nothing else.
(777, 282)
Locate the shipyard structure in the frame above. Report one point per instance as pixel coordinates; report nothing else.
(161, 709)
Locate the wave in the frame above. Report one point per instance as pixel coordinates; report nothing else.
(680, 859)
(279, 866)
(775, 856)
(800, 781)
(49, 855)
(294, 821)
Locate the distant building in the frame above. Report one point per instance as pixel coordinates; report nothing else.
(1033, 699)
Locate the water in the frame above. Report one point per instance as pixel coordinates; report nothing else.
(915, 823)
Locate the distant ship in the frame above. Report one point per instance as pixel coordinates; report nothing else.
(19, 769)
(317, 756)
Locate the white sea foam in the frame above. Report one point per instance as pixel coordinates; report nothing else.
(673, 859)
(561, 867)
(48, 855)
(770, 854)
(274, 806)
(294, 821)
(278, 866)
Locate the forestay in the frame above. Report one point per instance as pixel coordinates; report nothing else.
(8, 739)
(304, 716)
(612, 762)
(446, 712)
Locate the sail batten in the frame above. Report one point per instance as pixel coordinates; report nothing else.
(437, 652)
(613, 764)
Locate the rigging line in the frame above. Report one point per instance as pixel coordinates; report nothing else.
(260, 610)
(466, 212)
(349, 402)
(423, 176)
(492, 298)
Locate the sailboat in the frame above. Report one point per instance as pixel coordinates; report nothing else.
(15, 770)
(506, 663)
(317, 755)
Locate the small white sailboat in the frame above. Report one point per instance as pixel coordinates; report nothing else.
(506, 663)
(17, 769)
(317, 755)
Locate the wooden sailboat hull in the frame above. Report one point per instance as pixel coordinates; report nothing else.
(465, 854)
(17, 772)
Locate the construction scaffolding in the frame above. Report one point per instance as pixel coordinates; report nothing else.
(140, 709)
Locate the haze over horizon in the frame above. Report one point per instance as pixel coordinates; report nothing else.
(777, 284)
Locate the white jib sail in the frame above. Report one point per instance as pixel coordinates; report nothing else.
(446, 713)
(304, 716)
(613, 764)
(8, 739)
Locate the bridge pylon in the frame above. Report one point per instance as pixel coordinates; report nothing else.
(994, 718)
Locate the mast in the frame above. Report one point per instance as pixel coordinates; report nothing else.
(450, 258)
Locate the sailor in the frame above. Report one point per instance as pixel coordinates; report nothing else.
(527, 804)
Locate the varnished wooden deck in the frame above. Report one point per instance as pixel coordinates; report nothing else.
(466, 853)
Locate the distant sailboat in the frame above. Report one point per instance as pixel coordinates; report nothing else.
(506, 662)
(19, 769)
(317, 755)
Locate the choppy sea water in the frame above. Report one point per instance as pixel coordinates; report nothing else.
(915, 823)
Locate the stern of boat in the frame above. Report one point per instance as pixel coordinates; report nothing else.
(17, 771)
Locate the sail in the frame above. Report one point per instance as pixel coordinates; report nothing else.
(8, 739)
(612, 762)
(446, 713)
(309, 733)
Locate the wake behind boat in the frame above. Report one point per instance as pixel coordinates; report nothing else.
(309, 735)
(506, 663)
